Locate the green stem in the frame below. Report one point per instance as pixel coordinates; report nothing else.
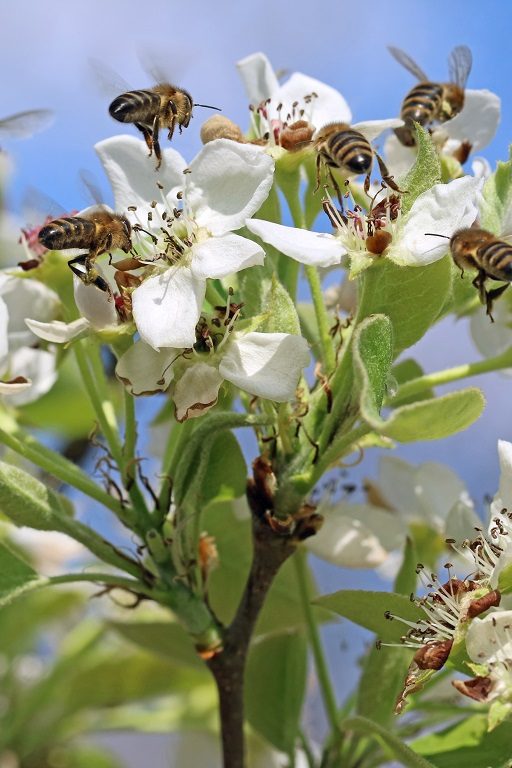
(178, 438)
(61, 468)
(340, 447)
(100, 402)
(423, 383)
(213, 296)
(306, 748)
(322, 318)
(105, 578)
(324, 681)
(130, 428)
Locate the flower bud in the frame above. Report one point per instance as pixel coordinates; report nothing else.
(220, 127)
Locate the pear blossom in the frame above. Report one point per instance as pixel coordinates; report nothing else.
(299, 98)
(471, 130)
(373, 535)
(50, 551)
(26, 371)
(266, 365)
(443, 209)
(222, 187)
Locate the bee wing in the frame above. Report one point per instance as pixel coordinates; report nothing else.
(157, 66)
(371, 129)
(407, 62)
(93, 191)
(459, 65)
(23, 125)
(37, 206)
(109, 82)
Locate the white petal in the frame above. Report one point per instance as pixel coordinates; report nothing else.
(15, 386)
(196, 391)
(227, 183)
(443, 209)
(146, 371)
(371, 129)
(491, 338)
(438, 489)
(356, 535)
(50, 551)
(462, 521)
(399, 159)
(132, 176)
(478, 121)
(166, 308)
(314, 248)
(328, 106)
(489, 639)
(26, 298)
(222, 256)
(36, 365)
(505, 487)
(4, 323)
(57, 331)
(266, 364)
(481, 168)
(258, 77)
(94, 304)
(397, 482)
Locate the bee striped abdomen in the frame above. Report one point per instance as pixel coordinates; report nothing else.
(72, 232)
(496, 258)
(135, 107)
(422, 103)
(350, 150)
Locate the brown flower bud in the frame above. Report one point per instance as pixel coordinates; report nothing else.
(221, 127)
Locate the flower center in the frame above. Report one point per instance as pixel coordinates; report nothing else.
(290, 127)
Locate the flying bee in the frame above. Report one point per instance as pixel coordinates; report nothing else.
(348, 148)
(479, 249)
(23, 125)
(98, 230)
(428, 102)
(163, 106)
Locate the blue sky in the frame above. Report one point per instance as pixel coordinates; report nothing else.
(44, 55)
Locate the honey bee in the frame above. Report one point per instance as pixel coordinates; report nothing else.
(342, 146)
(164, 105)
(479, 249)
(428, 101)
(98, 230)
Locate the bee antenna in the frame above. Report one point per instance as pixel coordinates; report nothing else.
(434, 234)
(208, 106)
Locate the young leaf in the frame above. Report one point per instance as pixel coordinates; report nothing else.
(164, 638)
(373, 354)
(468, 743)
(275, 686)
(16, 576)
(368, 609)
(425, 172)
(383, 670)
(395, 746)
(279, 311)
(497, 198)
(412, 297)
(26, 501)
(226, 474)
(407, 370)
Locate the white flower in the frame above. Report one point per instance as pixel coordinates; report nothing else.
(26, 372)
(476, 125)
(299, 98)
(443, 209)
(264, 364)
(373, 535)
(50, 551)
(224, 185)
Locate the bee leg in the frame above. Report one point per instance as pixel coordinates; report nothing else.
(146, 132)
(318, 169)
(156, 142)
(366, 185)
(386, 178)
(172, 119)
(336, 189)
(490, 297)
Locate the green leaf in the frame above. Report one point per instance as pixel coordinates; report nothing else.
(383, 671)
(412, 297)
(505, 580)
(83, 757)
(408, 370)
(373, 354)
(279, 311)
(368, 609)
(424, 420)
(433, 419)
(226, 474)
(468, 743)
(497, 197)
(405, 582)
(27, 501)
(275, 683)
(395, 746)
(165, 638)
(425, 172)
(498, 712)
(16, 576)
(309, 327)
